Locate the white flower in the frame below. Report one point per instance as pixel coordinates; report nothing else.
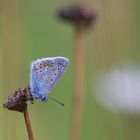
(119, 89)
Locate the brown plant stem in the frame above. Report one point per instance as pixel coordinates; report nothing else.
(78, 95)
(28, 125)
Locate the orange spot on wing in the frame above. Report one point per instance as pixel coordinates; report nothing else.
(47, 64)
(40, 66)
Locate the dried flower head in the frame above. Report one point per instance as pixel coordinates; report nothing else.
(17, 101)
(77, 14)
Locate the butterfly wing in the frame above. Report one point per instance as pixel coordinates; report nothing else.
(44, 75)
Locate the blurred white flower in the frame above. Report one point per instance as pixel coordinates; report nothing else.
(119, 89)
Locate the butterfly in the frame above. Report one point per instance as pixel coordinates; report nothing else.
(44, 75)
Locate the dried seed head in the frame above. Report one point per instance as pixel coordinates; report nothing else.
(17, 101)
(77, 14)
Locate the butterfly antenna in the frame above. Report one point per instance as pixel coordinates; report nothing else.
(56, 101)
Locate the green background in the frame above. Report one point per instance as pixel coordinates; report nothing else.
(31, 30)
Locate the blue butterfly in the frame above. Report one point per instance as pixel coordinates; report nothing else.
(44, 75)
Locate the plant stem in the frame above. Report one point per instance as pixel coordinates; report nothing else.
(28, 125)
(78, 95)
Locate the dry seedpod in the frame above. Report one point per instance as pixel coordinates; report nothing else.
(17, 101)
(77, 14)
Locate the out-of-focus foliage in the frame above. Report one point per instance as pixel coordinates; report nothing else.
(30, 30)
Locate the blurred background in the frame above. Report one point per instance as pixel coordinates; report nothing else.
(30, 30)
